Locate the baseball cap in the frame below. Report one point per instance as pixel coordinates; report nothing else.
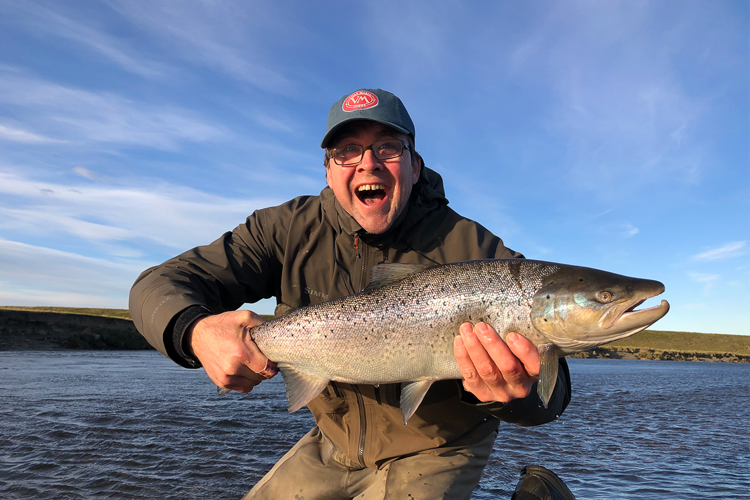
(368, 104)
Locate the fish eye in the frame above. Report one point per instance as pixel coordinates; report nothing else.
(606, 296)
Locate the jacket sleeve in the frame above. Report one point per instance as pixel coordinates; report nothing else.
(529, 411)
(239, 267)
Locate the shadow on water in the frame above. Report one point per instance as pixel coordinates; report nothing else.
(134, 425)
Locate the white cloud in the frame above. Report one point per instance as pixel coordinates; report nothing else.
(707, 280)
(36, 275)
(230, 40)
(85, 172)
(704, 277)
(79, 115)
(14, 134)
(86, 32)
(629, 230)
(175, 217)
(727, 251)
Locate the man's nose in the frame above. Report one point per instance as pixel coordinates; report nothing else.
(369, 162)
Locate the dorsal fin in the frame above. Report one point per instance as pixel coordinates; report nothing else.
(282, 309)
(385, 274)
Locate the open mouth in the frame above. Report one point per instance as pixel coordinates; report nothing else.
(632, 317)
(371, 194)
(660, 310)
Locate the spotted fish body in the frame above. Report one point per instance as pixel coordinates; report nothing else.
(402, 327)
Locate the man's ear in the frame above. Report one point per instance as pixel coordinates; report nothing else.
(416, 165)
(328, 172)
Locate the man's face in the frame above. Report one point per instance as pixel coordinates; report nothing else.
(374, 192)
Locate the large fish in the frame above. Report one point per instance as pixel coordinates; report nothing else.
(402, 326)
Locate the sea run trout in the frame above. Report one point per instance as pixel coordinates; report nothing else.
(402, 326)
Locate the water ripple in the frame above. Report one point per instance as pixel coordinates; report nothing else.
(132, 425)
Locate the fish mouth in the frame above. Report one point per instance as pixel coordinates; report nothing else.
(629, 318)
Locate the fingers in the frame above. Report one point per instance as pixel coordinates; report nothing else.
(225, 348)
(492, 369)
(525, 351)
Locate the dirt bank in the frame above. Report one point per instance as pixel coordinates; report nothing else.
(48, 330)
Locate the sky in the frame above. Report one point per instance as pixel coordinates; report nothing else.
(606, 134)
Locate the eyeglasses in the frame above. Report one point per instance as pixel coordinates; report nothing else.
(351, 154)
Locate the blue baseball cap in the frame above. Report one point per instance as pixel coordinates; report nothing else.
(368, 104)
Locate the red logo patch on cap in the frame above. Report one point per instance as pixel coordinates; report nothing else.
(361, 99)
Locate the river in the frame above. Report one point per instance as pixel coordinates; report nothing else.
(133, 425)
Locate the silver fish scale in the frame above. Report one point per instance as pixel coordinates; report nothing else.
(405, 330)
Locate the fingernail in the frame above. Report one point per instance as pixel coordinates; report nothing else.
(466, 329)
(512, 337)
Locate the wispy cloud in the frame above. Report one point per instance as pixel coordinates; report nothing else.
(708, 280)
(618, 108)
(21, 261)
(13, 134)
(87, 32)
(72, 114)
(171, 216)
(230, 40)
(38, 275)
(727, 251)
(85, 172)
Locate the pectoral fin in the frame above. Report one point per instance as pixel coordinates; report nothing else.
(548, 358)
(385, 274)
(300, 387)
(412, 393)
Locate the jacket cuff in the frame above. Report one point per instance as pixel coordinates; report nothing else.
(529, 410)
(182, 323)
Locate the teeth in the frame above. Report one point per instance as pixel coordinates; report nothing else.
(371, 187)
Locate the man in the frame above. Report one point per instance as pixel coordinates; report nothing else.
(381, 205)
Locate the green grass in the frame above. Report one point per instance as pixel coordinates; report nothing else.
(686, 342)
(87, 311)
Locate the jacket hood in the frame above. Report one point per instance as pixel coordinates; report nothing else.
(427, 195)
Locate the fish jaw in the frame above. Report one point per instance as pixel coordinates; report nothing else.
(580, 308)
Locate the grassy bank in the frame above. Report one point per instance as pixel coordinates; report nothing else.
(650, 344)
(86, 311)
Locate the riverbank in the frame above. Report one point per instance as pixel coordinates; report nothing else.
(35, 328)
(27, 329)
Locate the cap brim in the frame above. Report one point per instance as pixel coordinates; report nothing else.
(334, 130)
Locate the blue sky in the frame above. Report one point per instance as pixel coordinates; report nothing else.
(606, 134)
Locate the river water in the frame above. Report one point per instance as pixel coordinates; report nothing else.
(133, 425)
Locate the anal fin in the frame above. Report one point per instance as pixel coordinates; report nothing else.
(300, 387)
(412, 393)
(548, 358)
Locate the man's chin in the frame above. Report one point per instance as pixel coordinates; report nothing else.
(375, 224)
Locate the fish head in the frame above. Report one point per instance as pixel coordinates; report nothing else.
(578, 308)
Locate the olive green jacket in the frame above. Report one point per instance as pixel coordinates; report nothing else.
(310, 250)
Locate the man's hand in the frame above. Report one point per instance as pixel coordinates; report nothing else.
(223, 345)
(492, 369)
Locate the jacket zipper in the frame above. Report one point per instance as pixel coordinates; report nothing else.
(362, 426)
(360, 399)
